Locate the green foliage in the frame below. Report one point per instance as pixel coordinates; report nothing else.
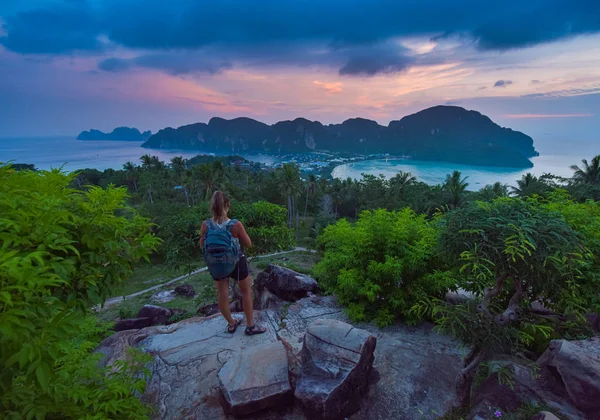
(381, 265)
(265, 223)
(513, 252)
(62, 250)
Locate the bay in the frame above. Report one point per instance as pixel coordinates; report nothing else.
(72, 154)
(478, 176)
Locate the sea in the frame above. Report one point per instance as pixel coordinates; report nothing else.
(71, 154)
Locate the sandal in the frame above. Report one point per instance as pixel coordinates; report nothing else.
(255, 329)
(233, 328)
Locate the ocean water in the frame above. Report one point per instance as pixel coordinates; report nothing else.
(478, 176)
(72, 154)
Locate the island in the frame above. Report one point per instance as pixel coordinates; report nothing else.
(440, 133)
(118, 134)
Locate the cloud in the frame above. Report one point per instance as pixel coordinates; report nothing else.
(272, 32)
(503, 83)
(330, 88)
(565, 93)
(482, 88)
(114, 64)
(170, 62)
(537, 116)
(63, 29)
(536, 82)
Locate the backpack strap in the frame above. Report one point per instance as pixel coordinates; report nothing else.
(231, 224)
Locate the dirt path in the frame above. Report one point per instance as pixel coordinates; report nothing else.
(115, 300)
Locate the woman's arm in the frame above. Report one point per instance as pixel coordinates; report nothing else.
(202, 234)
(238, 231)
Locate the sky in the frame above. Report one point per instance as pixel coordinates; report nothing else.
(70, 65)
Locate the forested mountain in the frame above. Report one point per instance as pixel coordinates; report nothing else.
(446, 133)
(118, 134)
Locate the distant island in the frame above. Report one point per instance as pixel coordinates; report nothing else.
(440, 133)
(118, 134)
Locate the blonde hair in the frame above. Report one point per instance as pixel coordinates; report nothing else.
(219, 204)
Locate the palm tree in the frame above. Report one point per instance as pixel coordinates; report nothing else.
(178, 165)
(146, 161)
(311, 183)
(131, 170)
(400, 181)
(490, 192)
(455, 186)
(289, 178)
(527, 185)
(211, 178)
(590, 173)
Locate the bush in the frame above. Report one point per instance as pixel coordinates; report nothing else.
(512, 253)
(382, 265)
(62, 251)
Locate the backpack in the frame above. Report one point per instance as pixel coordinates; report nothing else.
(221, 251)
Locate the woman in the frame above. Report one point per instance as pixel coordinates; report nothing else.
(219, 221)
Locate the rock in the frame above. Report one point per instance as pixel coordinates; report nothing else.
(336, 362)
(413, 372)
(157, 314)
(577, 364)
(208, 310)
(132, 323)
(266, 300)
(285, 283)
(543, 387)
(544, 415)
(185, 290)
(256, 379)
(594, 320)
(163, 296)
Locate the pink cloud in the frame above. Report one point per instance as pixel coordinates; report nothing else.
(330, 88)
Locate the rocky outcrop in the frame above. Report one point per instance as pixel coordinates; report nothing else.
(157, 314)
(413, 371)
(285, 283)
(132, 323)
(568, 380)
(336, 361)
(186, 290)
(264, 299)
(577, 365)
(256, 379)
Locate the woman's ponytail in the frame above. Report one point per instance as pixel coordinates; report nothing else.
(219, 206)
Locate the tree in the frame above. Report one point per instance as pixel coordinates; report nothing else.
(131, 174)
(63, 250)
(178, 164)
(490, 192)
(290, 187)
(455, 187)
(212, 177)
(590, 173)
(513, 253)
(528, 185)
(311, 183)
(400, 181)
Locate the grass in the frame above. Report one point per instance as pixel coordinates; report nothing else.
(148, 276)
(301, 262)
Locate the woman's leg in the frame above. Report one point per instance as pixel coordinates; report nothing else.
(223, 295)
(246, 290)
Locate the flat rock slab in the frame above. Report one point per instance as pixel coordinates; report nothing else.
(255, 379)
(336, 361)
(413, 375)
